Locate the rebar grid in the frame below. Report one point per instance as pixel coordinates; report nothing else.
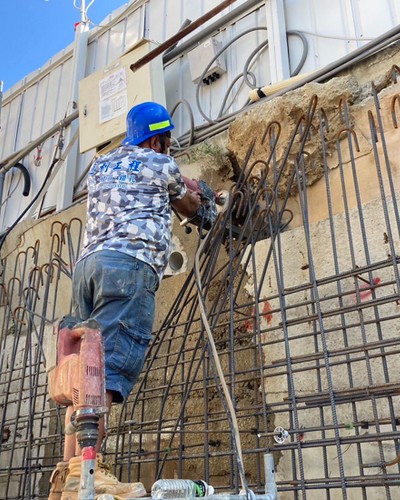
(304, 312)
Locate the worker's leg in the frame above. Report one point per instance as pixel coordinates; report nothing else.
(118, 292)
(122, 292)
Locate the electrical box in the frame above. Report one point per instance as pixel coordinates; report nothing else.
(106, 96)
(201, 57)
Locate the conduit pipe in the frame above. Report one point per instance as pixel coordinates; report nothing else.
(321, 75)
(176, 261)
(340, 64)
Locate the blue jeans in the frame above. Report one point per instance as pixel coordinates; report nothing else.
(117, 291)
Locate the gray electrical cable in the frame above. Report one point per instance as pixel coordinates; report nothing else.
(199, 85)
(304, 53)
(248, 61)
(220, 125)
(335, 37)
(191, 117)
(249, 73)
(256, 52)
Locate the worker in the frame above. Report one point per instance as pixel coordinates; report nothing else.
(125, 252)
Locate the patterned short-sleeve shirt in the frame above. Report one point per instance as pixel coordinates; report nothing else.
(129, 194)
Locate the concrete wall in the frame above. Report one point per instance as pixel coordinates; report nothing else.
(319, 307)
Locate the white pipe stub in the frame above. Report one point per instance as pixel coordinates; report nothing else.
(176, 261)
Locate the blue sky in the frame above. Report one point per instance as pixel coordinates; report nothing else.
(32, 31)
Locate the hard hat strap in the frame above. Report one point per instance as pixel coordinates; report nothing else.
(163, 143)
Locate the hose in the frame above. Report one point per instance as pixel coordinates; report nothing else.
(26, 210)
(217, 364)
(26, 176)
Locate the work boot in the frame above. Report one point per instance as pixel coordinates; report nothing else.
(57, 480)
(104, 482)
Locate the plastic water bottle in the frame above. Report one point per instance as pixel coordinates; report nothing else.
(180, 488)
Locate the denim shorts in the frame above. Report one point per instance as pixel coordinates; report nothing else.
(117, 291)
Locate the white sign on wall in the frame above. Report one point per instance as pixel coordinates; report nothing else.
(113, 95)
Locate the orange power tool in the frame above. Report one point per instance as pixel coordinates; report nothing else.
(78, 379)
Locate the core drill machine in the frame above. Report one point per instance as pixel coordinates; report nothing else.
(212, 203)
(78, 379)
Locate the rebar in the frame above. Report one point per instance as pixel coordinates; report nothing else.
(304, 311)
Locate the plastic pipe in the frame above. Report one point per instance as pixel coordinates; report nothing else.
(270, 484)
(259, 93)
(176, 261)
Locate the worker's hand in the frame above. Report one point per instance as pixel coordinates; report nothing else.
(189, 204)
(197, 197)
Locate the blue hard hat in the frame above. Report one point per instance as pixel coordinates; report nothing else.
(145, 120)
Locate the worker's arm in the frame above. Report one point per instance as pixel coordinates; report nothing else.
(188, 205)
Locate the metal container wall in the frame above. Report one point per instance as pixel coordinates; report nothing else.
(43, 98)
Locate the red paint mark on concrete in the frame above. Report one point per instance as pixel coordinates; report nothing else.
(266, 313)
(250, 322)
(366, 289)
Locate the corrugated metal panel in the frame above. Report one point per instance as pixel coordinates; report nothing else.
(179, 84)
(34, 105)
(107, 45)
(334, 29)
(372, 18)
(33, 111)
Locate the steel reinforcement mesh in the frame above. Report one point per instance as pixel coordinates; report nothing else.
(302, 299)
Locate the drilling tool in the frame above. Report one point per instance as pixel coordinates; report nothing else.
(263, 221)
(78, 379)
(212, 203)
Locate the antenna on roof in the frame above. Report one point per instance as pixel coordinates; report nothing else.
(83, 9)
